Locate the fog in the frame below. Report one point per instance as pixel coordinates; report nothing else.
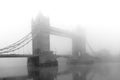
(104, 38)
(99, 18)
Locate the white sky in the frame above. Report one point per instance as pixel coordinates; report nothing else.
(101, 18)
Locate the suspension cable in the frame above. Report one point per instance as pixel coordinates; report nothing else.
(20, 45)
(16, 43)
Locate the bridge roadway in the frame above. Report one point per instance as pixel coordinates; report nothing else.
(71, 59)
(30, 55)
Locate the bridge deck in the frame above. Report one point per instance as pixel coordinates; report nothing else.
(18, 55)
(30, 55)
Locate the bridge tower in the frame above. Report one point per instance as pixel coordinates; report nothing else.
(40, 40)
(40, 34)
(79, 42)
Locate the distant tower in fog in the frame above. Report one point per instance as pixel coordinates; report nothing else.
(79, 41)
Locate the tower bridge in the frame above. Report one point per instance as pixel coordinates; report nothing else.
(40, 39)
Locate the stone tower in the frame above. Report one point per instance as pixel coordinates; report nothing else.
(40, 33)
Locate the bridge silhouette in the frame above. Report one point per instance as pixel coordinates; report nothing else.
(39, 37)
(4, 52)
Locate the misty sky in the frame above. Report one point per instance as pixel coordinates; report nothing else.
(100, 18)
